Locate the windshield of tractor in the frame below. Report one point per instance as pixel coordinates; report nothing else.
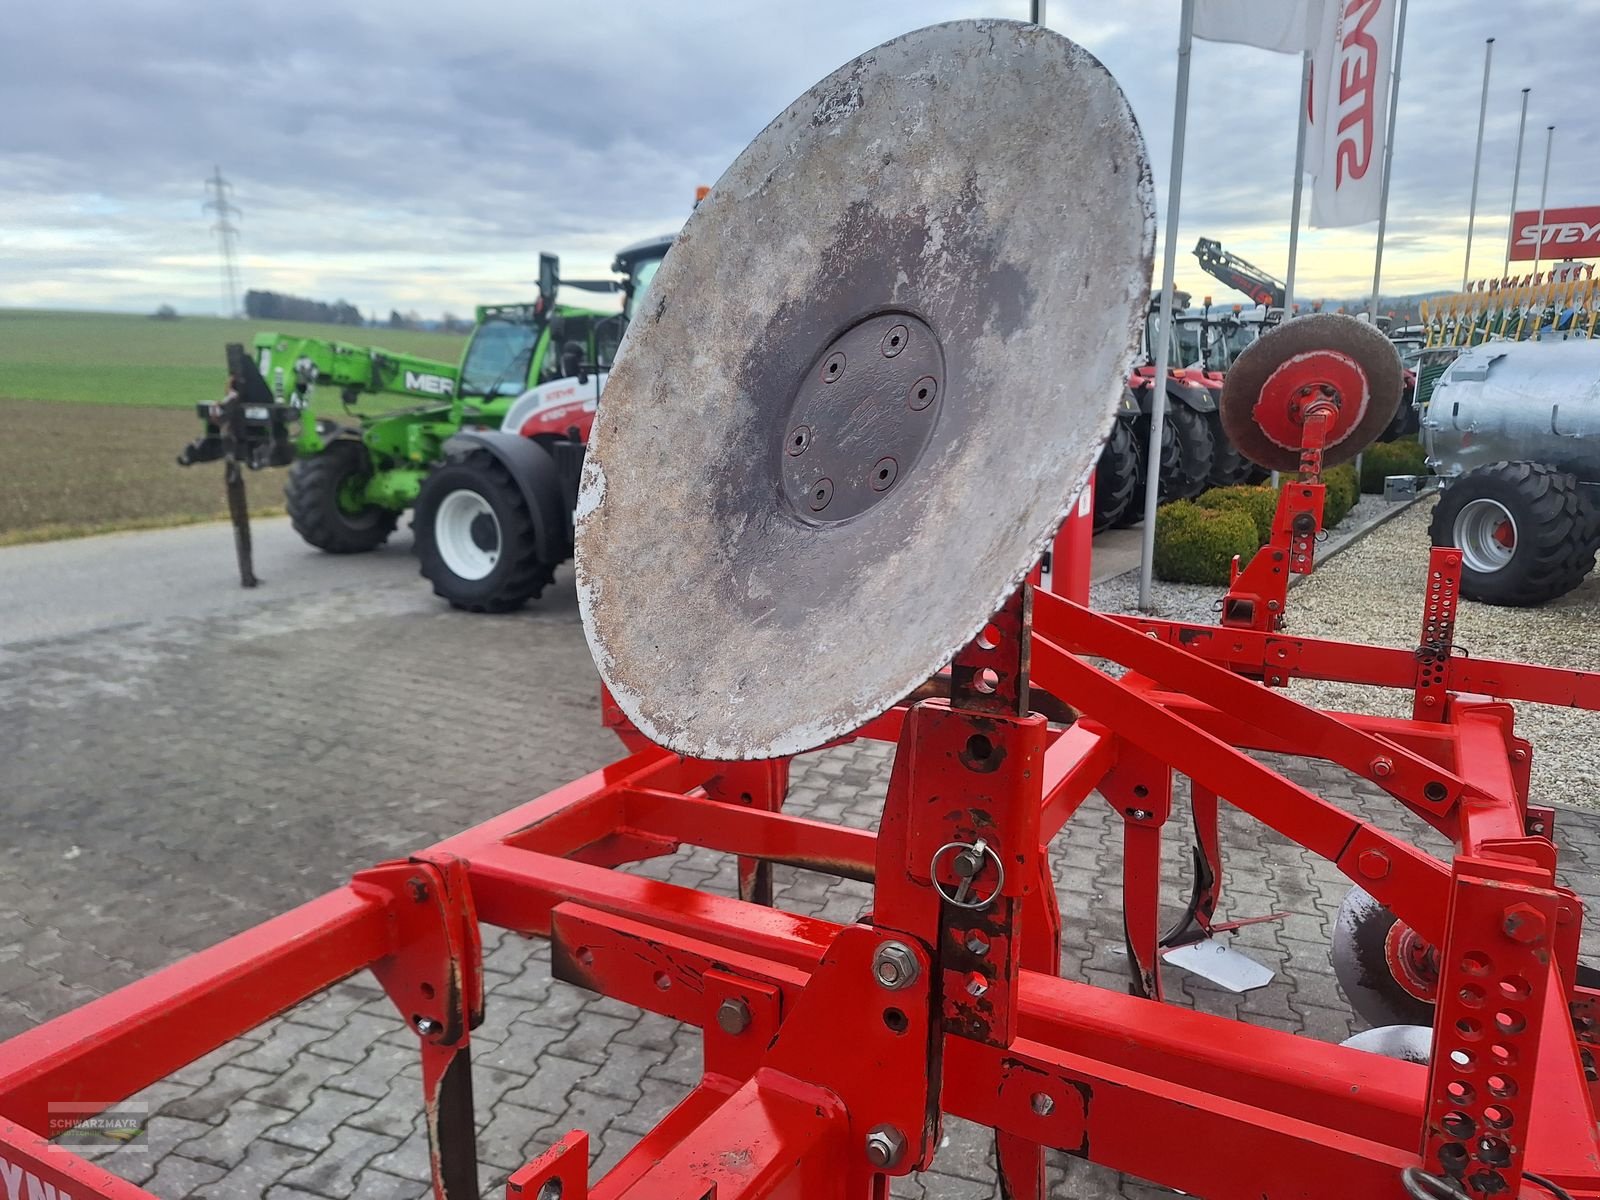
(639, 276)
(1183, 349)
(498, 358)
(1228, 341)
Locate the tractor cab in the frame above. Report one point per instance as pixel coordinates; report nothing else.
(503, 347)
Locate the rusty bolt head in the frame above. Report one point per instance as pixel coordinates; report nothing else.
(733, 1016)
(1382, 767)
(1524, 923)
(886, 1146)
(894, 966)
(1374, 864)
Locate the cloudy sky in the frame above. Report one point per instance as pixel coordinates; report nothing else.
(419, 155)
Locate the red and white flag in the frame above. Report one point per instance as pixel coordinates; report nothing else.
(1348, 110)
(1287, 26)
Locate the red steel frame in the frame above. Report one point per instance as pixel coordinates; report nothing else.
(832, 1051)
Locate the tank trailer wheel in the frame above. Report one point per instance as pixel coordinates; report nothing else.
(475, 537)
(321, 495)
(1388, 973)
(1526, 532)
(1116, 477)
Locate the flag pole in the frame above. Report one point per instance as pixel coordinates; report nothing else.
(1169, 267)
(1477, 159)
(1544, 190)
(1388, 160)
(1516, 179)
(1299, 183)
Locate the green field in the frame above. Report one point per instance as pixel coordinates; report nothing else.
(121, 358)
(94, 408)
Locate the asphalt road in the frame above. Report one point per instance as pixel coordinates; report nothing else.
(57, 589)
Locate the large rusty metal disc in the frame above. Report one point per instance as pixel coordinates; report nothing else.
(1270, 385)
(864, 387)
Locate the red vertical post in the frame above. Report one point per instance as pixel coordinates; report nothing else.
(1070, 552)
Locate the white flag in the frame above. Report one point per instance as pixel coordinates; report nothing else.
(1269, 24)
(1349, 104)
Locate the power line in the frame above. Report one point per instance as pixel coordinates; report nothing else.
(217, 192)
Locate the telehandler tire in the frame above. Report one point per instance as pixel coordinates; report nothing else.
(314, 496)
(1526, 532)
(475, 537)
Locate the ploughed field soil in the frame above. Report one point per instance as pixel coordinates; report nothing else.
(94, 408)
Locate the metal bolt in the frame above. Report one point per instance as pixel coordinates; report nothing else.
(1382, 767)
(894, 966)
(733, 1016)
(886, 1146)
(1519, 755)
(426, 1026)
(1374, 864)
(1524, 923)
(978, 945)
(1042, 1104)
(1139, 814)
(821, 493)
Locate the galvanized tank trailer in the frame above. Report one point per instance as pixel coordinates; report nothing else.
(1512, 429)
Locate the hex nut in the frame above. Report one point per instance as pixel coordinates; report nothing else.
(886, 1146)
(1373, 864)
(894, 966)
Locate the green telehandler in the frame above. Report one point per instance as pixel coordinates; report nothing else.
(352, 476)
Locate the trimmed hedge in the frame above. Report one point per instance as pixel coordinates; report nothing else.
(1340, 491)
(1260, 503)
(1197, 545)
(1391, 458)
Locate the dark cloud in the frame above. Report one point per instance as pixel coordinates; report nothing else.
(420, 155)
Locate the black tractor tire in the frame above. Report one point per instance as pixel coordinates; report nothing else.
(475, 537)
(1526, 532)
(1116, 477)
(311, 496)
(1196, 452)
(1140, 432)
(1406, 423)
(1228, 466)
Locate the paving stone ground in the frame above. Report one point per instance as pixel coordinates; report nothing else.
(168, 784)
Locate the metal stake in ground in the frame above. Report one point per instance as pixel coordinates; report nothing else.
(233, 482)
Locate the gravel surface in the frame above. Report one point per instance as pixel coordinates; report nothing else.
(1201, 602)
(1371, 592)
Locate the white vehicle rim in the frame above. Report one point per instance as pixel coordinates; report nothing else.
(468, 534)
(1486, 535)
